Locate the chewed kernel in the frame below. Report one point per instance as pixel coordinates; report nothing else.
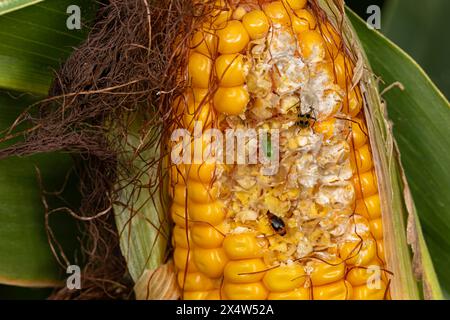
(199, 69)
(312, 46)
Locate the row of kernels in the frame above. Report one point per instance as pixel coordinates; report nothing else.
(339, 290)
(282, 281)
(366, 186)
(248, 279)
(231, 97)
(198, 255)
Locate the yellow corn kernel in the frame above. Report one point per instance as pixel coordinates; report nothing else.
(361, 209)
(178, 214)
(326, 127)
(342, 70)
(312, 46)
(295, 4)
(195, 295)
(372, 292)
(178, 194)
(376, 227)
(233, 38)
(365, 184)
(244, 271)
(205, 42)
(325, 272)
(222, 14)
(210, 261)
(303, 20)
(201, 192)
(231, 101)
(183, 257)
(359, 276)
(339, 290)
(205, 236)
(359, 133)
(194, 281)
(203, 172)
(296, 294)
(242, 246)
(212, 213)
(199, 69)
(363, 159)
(276, 12)
(230, 70)
(213, 295)
(195, 95)
(353, 102)
(181, 237)
(358, 253)
(245, 291)
(202, 113)
(284, 278)
(369, 207)
(256, 24)
(380, 250)
(332, 39)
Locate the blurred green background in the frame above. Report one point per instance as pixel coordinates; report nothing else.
(418, 27)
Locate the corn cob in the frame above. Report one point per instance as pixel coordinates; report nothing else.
(313, 230)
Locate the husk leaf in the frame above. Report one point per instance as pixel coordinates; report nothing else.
(140, 209)
(158, 284)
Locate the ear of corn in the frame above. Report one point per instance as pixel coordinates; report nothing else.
(278, 66)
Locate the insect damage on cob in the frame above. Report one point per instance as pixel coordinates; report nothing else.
(313, 228)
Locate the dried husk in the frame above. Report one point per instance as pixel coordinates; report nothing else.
(158, 284)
